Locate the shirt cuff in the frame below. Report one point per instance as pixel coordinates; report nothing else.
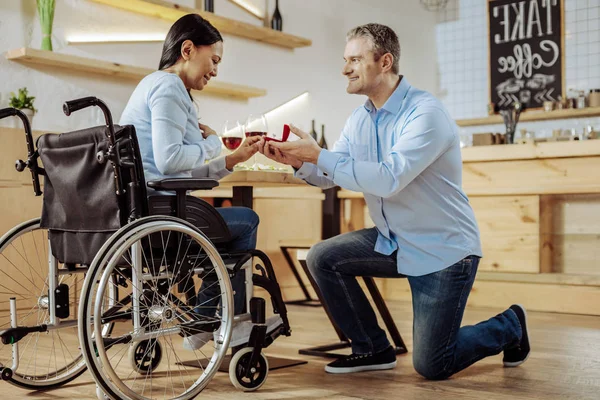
(217, 168)
(327, 162)
(304, 171)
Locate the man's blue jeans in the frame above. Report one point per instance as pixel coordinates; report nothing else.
(243, 226)
(440, 346)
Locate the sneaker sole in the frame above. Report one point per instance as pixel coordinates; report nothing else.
(517, 363)
(349, 370)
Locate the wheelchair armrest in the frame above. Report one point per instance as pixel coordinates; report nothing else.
(178, 184)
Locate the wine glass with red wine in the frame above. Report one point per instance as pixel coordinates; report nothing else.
(256, 125)
(232, 134)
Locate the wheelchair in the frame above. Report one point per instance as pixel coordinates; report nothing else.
(112, 279)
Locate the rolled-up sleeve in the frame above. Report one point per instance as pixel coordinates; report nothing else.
(319, 175)
(216, 169)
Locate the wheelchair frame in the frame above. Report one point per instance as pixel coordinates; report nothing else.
(245, 362)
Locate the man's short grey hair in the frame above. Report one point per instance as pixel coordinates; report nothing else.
(383, 39)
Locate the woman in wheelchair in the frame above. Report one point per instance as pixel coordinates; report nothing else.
(155, 268)
(174, 145)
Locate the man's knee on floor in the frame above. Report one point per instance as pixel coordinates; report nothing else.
(430, 367)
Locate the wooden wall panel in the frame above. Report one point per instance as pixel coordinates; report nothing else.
(17, 201)
(534, 296)
(509, 227)
(573, 233)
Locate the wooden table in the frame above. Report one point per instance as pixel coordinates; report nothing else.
(290, 212)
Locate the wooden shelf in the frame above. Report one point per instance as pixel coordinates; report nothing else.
(172, 12)
(529, 116)
(49, 58)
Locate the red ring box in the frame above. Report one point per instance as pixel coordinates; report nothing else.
(285, 136)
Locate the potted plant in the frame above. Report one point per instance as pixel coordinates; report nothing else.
(22, 101)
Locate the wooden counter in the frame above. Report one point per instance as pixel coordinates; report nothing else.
(537, 206)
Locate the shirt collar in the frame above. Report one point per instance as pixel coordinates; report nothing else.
(394, 102)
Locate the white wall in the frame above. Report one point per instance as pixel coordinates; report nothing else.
(284, 73)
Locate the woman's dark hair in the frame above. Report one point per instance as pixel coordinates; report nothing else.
(189, 27)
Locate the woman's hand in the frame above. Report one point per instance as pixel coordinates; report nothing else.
(243, 153)
(206, 130)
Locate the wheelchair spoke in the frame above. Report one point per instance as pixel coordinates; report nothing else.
(63, 344)
(177, 362)
(25, 252)
(38, 254)
(13, 279)
(45, 358)
(168, 289)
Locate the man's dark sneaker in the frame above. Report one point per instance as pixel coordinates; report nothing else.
(385, 359)
(516, 356)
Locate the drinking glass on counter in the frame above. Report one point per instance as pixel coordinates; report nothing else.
(232, 134)
(256, 125)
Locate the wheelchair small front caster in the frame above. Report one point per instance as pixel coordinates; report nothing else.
(145, 355)
(6, 373)
(237, 370)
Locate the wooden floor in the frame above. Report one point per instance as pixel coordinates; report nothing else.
(564, 364)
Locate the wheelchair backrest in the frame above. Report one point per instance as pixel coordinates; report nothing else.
(81, 206)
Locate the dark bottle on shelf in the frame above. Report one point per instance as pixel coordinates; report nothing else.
(209, 5)
(322, 141)
(313, 132)
(276, 21)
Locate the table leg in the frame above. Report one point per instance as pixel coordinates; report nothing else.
(243, 196)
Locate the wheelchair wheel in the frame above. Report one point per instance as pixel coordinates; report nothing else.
(163, 265)
(45, 359)
(238, 368)
(145, 356)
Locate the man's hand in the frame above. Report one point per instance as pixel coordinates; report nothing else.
(206, 130)
(243, 153)
(276, 155)
(304, 150)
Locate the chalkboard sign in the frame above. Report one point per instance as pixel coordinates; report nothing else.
(526, 52)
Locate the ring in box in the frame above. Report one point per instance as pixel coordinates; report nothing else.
(284, 137)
